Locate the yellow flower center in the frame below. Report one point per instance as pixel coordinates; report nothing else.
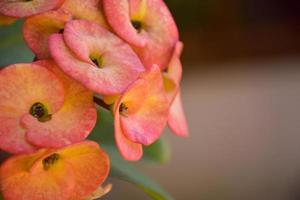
(97, 60)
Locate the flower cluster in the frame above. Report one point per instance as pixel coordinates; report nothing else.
(123, 53)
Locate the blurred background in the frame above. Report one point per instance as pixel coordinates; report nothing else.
(241, 91)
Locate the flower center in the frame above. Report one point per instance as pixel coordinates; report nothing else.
(39, 111)
(97, 60)
(61, 31)
(123, 108)
(50, 161)
(137, 25)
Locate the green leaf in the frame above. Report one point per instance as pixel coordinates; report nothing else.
(12, 46)
(159, 152)
(124, 170)
(103, 133)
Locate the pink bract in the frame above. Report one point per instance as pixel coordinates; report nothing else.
(21, 8)
(41, 107)
(90, 10)
(145, 24)
(23, 85)
(70, 173)
(177, 120)
(141, 114)
(71, 123)
(38, 28)
(173, 73)
(129, 150)
(95, 57)
(172, 78)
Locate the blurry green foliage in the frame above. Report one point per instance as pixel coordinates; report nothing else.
(126, 171)
(12, 46)
(159, 152)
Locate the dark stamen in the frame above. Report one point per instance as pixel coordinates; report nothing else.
(123, 108)
(50, 160)
(61, 31)
(137, 25)
(97, 60)
(39, 111)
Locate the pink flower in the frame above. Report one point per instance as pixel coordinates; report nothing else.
(141, 114)
(38, 28)
(147, 25)
(95, 57)
(41, 107)
(70, 173)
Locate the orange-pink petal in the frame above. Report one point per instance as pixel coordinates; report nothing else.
(86, 9)
(155, 33)
(21, 8)
(117, 12)
(174, 70)
(71, 123)
(177, 120)
(38, 28)
(100, 192)
(173, 74)
(117, 65)
(23, 177)
(73, 172)
(23, 85)
(143, 108)
(90, 166)
(129, 150)
(172, 78)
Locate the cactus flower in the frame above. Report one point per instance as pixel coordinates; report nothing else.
(147, 25)
(38, 28)
(95, 57)
(41, 107)
(70, 173)
(141, 114)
